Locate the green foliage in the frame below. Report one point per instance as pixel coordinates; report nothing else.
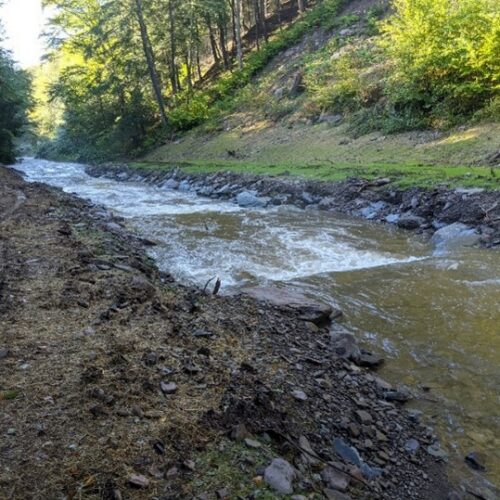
(444, 56)
(14, 102)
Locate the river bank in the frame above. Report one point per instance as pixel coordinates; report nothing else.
(452, 216)
(137, 387)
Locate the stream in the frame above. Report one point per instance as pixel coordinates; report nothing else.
(435, 317)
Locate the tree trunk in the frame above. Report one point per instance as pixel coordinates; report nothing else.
(237, 18)
(148, 52)
(222, 43)
(211, 36)
(302, 5)
(173, 68)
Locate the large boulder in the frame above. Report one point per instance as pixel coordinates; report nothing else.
(306, 308)
(247, 199)
(455, 235)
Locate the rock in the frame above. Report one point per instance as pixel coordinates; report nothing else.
(299, 395)
(184, 186)
(369, 360)
(346, 452)
(436, 451)
(252, 443)
(370, 472)
(138, 481)
(345, 346)
(335, 495)
(330, 119)
(279, 475)
(171, 184)
(279, 93)
(401, 395)
(248, 199)
(4, 352)
(347, 32)
(455, 235)
(364, 417)
(334, 479)
(309, 456)
(392, 218)
(412, 445)
(222, 494)
(409, 221)
(239, 432)
(474, 461)
(168, 388)
(307, 309)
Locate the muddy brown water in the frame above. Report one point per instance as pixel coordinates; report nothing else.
(435, 316)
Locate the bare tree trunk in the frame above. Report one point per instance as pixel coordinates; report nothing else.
(148, 52)
(222, 43)
(213, 43)
(302, 5)
(237, 25)
(262, 17)
(173, 49)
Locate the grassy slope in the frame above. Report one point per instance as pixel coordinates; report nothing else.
(321, 152)
(248, 141)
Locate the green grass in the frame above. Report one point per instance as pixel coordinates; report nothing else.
(233, 466)
(403, 176)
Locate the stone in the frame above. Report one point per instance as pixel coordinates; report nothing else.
(334, 479)
(299, 395)
(369, 360)
(335, 495)
(307, 309)
(401, 395)
(171, 184)
(168, 387)
(138, 481)
(345, 346)
(346, 452)
(455, 235)
(364, 417)
(309, 456)
(4, 352)
(279, 93)
(247, 199)
(279, 475)
(474, 461)
(392, 218)
(436, 451)
(239, 432)
(252, 443)
(412, 445)
(184, 186)
(330, 119)
(409, 221)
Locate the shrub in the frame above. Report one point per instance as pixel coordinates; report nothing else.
(444, 55)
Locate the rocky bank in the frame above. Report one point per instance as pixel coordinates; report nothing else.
(116, 382)
(451, 216)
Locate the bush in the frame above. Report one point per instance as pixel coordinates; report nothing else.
(444, 56)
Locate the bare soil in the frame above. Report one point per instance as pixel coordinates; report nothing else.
(89, 330)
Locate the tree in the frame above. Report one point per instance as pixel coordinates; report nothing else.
(14, 103)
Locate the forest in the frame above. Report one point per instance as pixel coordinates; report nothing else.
(121, 77)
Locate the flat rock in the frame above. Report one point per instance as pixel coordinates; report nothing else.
(299, 395)
(4, 352)
(279, 475)
(138, 481)
(334, 479)
(168, 387)
(248, 199)
(306, 308)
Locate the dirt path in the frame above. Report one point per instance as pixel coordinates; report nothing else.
(117, 383)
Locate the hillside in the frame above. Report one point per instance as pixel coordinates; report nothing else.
(279, 122)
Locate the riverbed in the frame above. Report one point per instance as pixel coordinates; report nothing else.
(433, 315)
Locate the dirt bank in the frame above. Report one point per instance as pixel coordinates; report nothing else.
(422, 210)
(116, 382)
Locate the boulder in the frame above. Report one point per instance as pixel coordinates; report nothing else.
(306, 308)
(279, 475)
(345, 346)
(455, 235)
(247, 199)
(171, 184)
